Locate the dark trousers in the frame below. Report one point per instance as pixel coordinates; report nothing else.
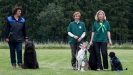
(74, 49)
(15, 46)
(101, 46)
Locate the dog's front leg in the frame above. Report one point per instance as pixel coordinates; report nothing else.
(112, 65)
(37, 65)
(79, 63)
(83, 66)
(112, 68)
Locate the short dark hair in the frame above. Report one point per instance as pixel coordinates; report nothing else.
(15, 9)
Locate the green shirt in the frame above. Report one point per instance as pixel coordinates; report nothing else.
(76, 29)
(100, 31)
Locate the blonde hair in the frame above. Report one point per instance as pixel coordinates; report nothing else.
(77, 13)
(96, 16)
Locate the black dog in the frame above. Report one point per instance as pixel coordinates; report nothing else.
(30, 60)
(115, 62)
(92, 58)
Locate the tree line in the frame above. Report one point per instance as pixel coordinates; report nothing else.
(49, 19)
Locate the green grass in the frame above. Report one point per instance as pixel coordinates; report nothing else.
(57, 62)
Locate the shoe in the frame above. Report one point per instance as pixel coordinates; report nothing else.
(20, 66)
(98, 69)
(82, 69)
(14, 66)
(105, 69)
(78, 68)
(74, 68)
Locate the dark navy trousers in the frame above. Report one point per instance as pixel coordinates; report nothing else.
(15, 49)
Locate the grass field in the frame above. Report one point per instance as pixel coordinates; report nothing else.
(57, 62)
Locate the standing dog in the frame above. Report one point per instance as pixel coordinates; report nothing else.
(82, 58)
(115, 62)
(30, 59)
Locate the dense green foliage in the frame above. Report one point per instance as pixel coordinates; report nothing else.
(48, 19)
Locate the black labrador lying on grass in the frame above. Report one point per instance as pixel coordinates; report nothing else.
(115, 62)
(30, 59)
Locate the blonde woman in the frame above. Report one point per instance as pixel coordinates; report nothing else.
(76, 30)
(99, 38)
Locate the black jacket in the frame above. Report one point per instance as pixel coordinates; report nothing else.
(15, 29)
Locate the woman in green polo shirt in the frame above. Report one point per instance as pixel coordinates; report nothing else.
(99, 38)
(76, 30)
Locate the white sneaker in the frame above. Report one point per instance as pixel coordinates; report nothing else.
(82, 70)
(98, 69)
(78, 69)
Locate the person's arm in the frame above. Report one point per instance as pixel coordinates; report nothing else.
(70, 34)
(109, 38)
(7, 31)
(25, 33)
(108, 33)
(83, 34)
(92, 35)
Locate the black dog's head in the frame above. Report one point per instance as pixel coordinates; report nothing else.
(29, 47)
(112, 54)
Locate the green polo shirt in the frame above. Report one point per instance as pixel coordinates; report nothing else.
(100, 33)
(76, 29)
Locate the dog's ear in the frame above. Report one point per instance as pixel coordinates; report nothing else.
(80, 46)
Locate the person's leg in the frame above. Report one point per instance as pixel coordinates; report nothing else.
(19, 53)
(73, 52)
(98, 56)
(12, 54)
(104, 55)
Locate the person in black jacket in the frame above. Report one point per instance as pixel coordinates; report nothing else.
(15, 33)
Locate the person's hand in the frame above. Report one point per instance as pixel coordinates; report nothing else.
(7, 39)
(90, 43)
(26, 40)
(79, 39)
(75, 37)
(110, 42)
